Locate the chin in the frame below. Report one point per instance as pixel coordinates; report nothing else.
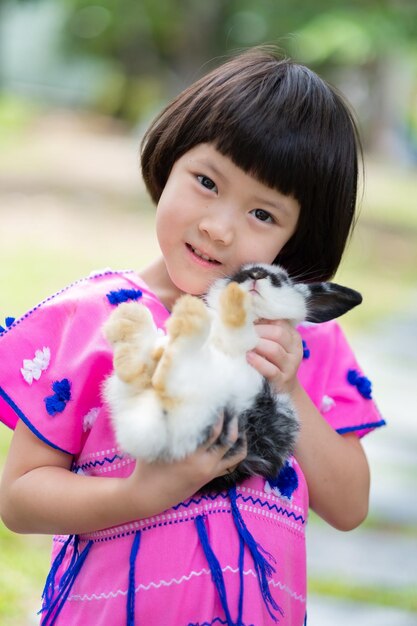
(192, 287)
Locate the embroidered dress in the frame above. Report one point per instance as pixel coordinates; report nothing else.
(213, 559)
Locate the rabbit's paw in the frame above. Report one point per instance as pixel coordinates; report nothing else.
(233, 306)
(129, 320)
(190, 318)
(132, 332)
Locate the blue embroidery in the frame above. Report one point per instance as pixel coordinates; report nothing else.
(365, 426)
(362, 384)
(123, 295)
(90, 464)
(8, 322)
(214, 565)
(262, 503)
(132, 585)
(58, 401)
(306, 350)
(261, 558)
(286, 482)
(216, 620)
(53, 606)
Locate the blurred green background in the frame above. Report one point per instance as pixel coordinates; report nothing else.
(79, 81)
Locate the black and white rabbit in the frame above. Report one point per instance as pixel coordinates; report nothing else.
(166, 393)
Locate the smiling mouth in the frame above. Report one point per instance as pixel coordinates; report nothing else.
(202, 255)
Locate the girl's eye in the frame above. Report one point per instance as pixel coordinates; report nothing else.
(206, 182)
(262, 215)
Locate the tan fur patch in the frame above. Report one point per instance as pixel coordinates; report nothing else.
(161, 372)
(128, 319)
(159, 379)
(189, 317)
(130, 370)
(157, 353)
(232, 306)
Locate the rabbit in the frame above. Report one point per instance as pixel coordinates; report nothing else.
(166, 393)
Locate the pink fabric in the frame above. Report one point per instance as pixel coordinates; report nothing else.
(172, 577)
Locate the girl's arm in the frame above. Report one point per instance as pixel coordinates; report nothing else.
(335, 466)
(39, 494)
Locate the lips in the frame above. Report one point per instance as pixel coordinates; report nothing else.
(202, 255)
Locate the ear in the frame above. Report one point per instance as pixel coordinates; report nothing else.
(325, 301)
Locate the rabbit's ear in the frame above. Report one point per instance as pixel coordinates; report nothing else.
(325, 301)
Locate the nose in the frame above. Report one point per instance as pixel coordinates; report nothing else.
(257, 273)
(218, 228)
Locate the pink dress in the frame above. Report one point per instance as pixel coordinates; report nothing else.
(201, 562)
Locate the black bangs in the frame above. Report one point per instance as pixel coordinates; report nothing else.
(279, 131)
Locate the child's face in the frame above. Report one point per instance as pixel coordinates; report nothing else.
(212, 217)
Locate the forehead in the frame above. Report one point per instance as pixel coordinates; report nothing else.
(213, 162)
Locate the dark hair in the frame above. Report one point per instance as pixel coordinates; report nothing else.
(280, 122)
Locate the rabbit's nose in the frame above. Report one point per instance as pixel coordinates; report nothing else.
(257, 273)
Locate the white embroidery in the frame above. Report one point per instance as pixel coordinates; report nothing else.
(179, 581)
(276, 492)
(90, 418)
(32, 369)
(327, 403)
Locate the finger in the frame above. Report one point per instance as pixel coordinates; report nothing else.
(216, 431)
(232, 431)
(263, 366)
(271, 351)
(281, 333)
(230, 463)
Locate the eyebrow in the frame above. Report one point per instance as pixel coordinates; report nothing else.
(211, 166)
(279, 206)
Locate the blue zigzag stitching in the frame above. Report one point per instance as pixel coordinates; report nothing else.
(217, 620)
(279, 509)
(212, 497)
(208, 496)
(90, 464)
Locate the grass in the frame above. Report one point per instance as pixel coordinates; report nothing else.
(404, 598)
(24, 566)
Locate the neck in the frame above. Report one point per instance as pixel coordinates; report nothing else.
(157, 278)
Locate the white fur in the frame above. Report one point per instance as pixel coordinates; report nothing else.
(209, 372)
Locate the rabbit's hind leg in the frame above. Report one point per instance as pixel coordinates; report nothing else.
(133, 334)
(188, 329)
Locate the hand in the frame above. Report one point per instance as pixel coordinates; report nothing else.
(169, 483)
(278, 354)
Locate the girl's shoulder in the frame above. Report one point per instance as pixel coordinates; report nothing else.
(100, 291)
(54, 358)
(335, 381)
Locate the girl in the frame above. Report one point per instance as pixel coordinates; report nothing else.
(255, 162)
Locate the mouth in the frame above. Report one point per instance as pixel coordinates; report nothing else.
(254, 289)
(202, 256)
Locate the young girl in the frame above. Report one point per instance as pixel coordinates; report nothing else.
(257, 161)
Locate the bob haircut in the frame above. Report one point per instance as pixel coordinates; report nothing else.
(281, 123)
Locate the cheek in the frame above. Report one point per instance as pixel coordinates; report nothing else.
(262, 252)
(167, 216)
